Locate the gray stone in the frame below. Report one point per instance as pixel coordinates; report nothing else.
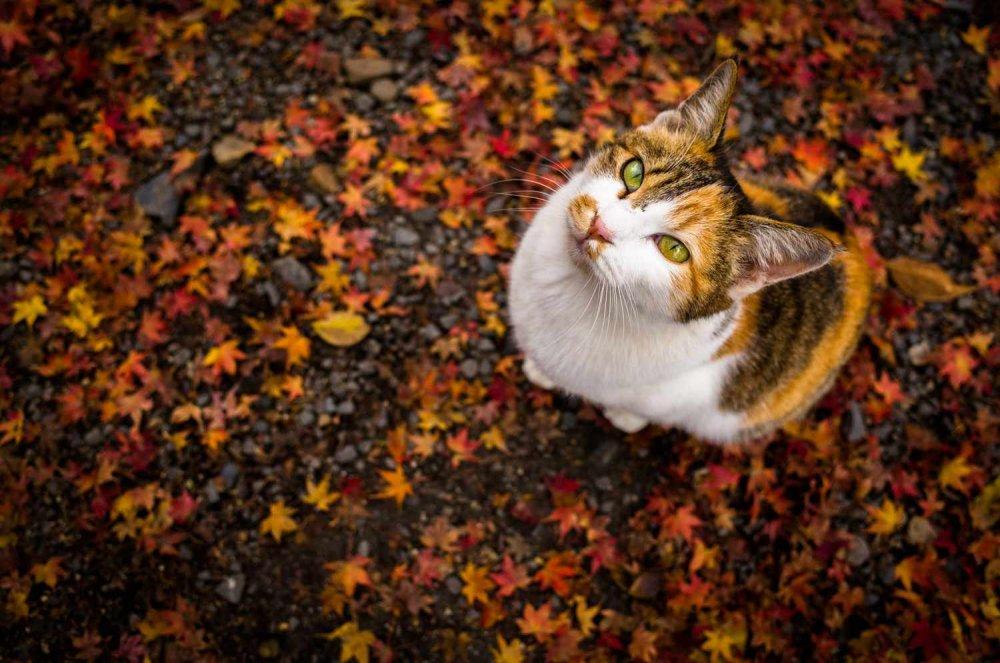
(425, 214)
(231, 588)
(362, 70)
(858, 551)
(469, 368)
(920, 532)
(158, 197)
(230, 149)
(453, 584)
(293, 272)
(230, 472)
(856, 429)
(384, 90)
(364, 102)
(306, 417)
(405, 237)
(346, 454)
(347, 407)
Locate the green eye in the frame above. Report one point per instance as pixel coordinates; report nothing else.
(672, 249)
(632, 174)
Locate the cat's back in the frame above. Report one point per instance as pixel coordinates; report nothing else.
(794, 335)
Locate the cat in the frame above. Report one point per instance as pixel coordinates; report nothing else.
(659, 286)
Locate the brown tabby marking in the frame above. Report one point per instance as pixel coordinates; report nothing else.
(796, 334)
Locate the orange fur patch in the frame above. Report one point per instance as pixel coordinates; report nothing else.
(743, 330)
(581, 212)
(763, 198)
(831, 351)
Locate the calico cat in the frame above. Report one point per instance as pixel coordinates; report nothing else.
(661, 287)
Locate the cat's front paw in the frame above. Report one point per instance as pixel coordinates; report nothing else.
(624, 420)
(535, 376)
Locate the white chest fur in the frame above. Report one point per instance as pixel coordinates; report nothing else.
(589, 338)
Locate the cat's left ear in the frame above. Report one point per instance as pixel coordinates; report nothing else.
(772, 251)
(704, 112)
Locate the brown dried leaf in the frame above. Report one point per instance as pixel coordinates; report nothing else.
(924, 281)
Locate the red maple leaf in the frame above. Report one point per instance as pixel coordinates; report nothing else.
(510, 578)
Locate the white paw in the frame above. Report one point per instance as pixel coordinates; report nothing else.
(624, 420)
(535, 376)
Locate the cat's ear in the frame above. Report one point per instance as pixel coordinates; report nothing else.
(772, 251)
(705, 111)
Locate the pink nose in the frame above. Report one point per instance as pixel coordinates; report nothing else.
(598, 230)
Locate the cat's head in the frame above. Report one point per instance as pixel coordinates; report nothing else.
(658, 213)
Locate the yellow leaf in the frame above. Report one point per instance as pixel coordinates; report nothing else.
(354, 643)
(924, 281)
(397, 487)
(29, 310)
(295, 345)
(477, 583)
(352, 8)
(319, 495)
(493, 439)
(887, 518)
(279, 521)
(976, 38)
(341, 329)
(508, 652)
(49, 572)
(720, 642)
(953, 474)
(910, 164)
(585, 615)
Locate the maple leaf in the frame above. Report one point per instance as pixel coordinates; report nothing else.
(354, 642)
(397, 487)
(976, 37)
(956, 362)
(557, 570)
(585, 615)
(319, 495)
(462, 448)
(643, 645)
(279, 521)
(476, 583)
(351, 573)
(29, 310)
(887, 518)
(812, 153)
(720, 642)
(492, 439)
(223, 357)
(537, 622)
(354, 201)
(508, 652)
(682, 522)
(332, 278)
(910, 164)
(49, 573)
(295, 345)
(425, 273)
(510, 578)
(12, 34)
(954, 472)
(889, 390)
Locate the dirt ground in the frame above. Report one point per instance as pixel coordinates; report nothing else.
(258, 393)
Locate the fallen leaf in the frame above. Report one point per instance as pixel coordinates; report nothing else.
(924, 281)
(341, 329)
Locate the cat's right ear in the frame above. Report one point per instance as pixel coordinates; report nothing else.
(772, 251)
(704, 112)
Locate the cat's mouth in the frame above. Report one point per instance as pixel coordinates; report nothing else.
(592, 247)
